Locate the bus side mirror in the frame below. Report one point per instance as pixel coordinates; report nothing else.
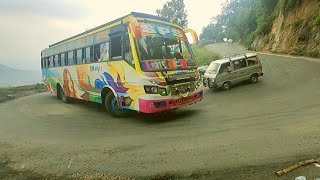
(193, 34)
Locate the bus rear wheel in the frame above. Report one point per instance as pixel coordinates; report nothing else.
(112, 106)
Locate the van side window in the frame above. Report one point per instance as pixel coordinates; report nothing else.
(224, 68)
(238, 64)
(252, 61)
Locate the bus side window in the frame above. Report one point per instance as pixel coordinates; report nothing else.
(70, 58)
(127, 49)
(83, 58)
(51, 62)
(56, 61)
(88, 54)
(59, 59)
(104, 51)
(96, 51)
(116, 47)
(62, 60)
(42, 60)
(66, 59)
(79, 56)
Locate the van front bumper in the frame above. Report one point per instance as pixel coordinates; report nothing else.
(159, 105)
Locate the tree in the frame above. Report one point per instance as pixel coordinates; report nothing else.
(175, 11)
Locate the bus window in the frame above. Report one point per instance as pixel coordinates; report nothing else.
(42, 60)
(83, 56)
(96, 53)
(79, 56)
(70, 58)
(116, 49)
(127, 50)
(88, 54)
(56, 61)
(66, 58)
(45, 63)
(62, 59)
(104, 51)
(59, 59)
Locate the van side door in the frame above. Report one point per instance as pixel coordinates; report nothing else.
(254, 65)
(223, 74)
(240, 70)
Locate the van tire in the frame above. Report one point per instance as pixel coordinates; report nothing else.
(110, 103)
(254, 78)
(226, 86)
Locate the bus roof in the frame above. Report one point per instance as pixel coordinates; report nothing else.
(135, 14)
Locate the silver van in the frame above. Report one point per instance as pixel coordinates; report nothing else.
(226, 72)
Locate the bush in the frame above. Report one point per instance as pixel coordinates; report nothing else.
(298, 52)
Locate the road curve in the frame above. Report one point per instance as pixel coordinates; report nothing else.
(273, 121)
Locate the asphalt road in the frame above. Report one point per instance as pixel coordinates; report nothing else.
(246, 132)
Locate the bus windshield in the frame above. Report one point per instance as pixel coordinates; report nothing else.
(163, 47)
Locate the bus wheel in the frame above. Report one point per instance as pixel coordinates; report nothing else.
(112, 106)
(63, 97)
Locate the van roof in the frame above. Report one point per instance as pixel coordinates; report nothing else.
(234, 58)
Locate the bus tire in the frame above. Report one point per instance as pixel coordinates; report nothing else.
(112, 106)
(62, 96)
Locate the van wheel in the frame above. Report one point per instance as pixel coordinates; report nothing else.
(226, 86)
(112, 106)
(254, 79)
(63, 97)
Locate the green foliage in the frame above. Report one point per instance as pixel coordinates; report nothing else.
(287, 5)
(316, 21)
(298, 52)
(296, 24)
(175, 11)
(242, 20)
(203, 56)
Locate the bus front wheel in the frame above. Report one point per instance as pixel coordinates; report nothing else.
(62, 96)
(112, 106)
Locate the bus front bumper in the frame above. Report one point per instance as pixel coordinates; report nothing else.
(159, 105)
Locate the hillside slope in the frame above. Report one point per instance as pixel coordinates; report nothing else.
(16, 77)
(296, 32)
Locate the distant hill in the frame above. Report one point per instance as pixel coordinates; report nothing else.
(16, 77)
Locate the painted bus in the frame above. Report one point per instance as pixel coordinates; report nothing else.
(138, 62)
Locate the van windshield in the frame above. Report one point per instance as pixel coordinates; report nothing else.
(213, 67)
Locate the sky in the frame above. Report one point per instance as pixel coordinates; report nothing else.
(29, 26)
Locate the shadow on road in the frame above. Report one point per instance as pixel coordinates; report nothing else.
(157, 118)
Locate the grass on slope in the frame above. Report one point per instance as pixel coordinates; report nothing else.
(203, 56)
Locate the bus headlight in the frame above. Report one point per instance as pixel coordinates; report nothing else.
(163, 91)
(155, 90)
(151, 89)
